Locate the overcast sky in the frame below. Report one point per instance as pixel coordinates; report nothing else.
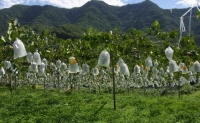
(166, 4)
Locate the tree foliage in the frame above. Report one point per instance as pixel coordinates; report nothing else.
(71, 23)
(134, 46)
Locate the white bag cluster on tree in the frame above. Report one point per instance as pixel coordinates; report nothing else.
(95, 71)
(33, 67)
(85, 69)
(196, 66)
(63, 67)
(41, 70)
(36, 58)
(2, 72)
(116, 68)
(123, 69)
(29, 57)
(104, 59)
(19, 49)
(184, 70)
(58, 64)
(191, 66)
(169, 53)
(155, 64)
(136, 69)
(148, 63)
(73, 65)
(120, 61)
(7, 65)
(173, 67)
(53, 66)
(45, 62)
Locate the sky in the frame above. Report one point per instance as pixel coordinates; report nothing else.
(165, 4)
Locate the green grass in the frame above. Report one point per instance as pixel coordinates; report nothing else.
(28, 105)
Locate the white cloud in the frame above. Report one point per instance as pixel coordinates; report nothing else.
(187, 3)
(8, 3)
(58, 3)
(114, 2)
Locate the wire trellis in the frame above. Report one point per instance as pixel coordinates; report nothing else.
(182, 26)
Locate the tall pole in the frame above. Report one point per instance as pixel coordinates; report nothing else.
(190, 22)
(113, 76)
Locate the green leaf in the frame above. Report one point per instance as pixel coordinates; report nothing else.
(2, 39)
(93, 44)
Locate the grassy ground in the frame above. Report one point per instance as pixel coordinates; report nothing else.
(28, 105)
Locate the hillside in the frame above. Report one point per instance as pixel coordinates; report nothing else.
(71, 23)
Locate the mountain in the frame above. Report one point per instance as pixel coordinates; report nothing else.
(71, 23)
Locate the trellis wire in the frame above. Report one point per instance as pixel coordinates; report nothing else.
(182, 26)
